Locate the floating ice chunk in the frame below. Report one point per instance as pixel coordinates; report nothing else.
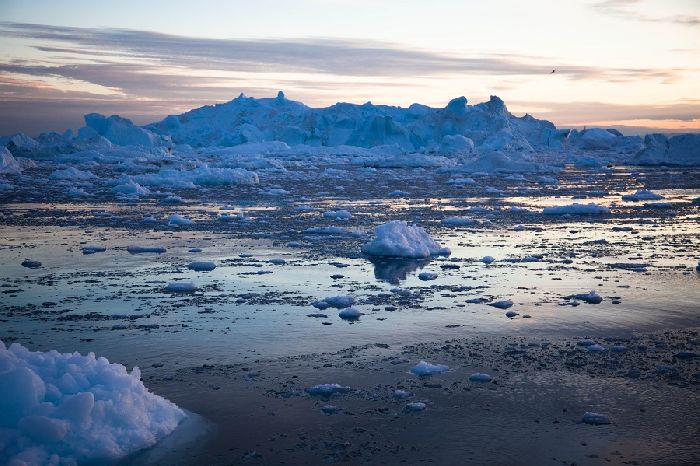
(425, 368)
(458, 221)
(67, 408)
(697, 267)
(511, 314)
(327, 389)
(149, 219)
(72, 174)
(595, 348)
(338, 302)
(145, 249)
(425, 276)
(181, 287)
(274, 192)
(201, 266)
(92, 249)
(277, 261)
(78, 192)
(398, 193)
(591, 297)
(401, 394)
(618, 349)
(172, 199)
(487, 259)
(494, 191)
(338, 214)
(642, 195)
(585, 342)
(177, 220)
(329, 409)
(461, 181)
(334, 231)
(398, 239)
(415, 407)
(131, 187)
(595, 419)
(547, 180)
(502, 304)
(576, 209)
(8, 164)
(350, 313)
(479, 377)
(30, 264)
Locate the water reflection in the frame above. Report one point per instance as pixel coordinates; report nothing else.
(394, 269)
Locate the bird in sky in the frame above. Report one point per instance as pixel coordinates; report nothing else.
(553, 71)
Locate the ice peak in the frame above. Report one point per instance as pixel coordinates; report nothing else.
(457, 106)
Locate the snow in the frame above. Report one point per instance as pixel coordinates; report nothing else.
(181, 287)
(202, 266)
(642, 195)
(350, 313)
(576, 209)
(338, 302)
(66, 408)
(398, 239)
(425, 368)
(338, 215)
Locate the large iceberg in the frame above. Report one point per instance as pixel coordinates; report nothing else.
(66, 408)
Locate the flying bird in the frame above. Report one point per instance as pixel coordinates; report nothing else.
(553, 71)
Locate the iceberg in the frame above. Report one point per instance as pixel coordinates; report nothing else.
(399, 239)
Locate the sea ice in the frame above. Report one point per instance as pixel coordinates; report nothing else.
(576, 209)
(425, 368)
(415, 406)
(350, 313)
(502, 304)
(92, 249)
(338, 302)
(425, 276)
(67, 408)
(202, 266)
(591, 297)
(327, 389)
(177, 220)
(642, 195)
(480, 377)
(338, 215)
(181, 287)
(398, 239)
(595, 419)
(458, 221)
(145, 249)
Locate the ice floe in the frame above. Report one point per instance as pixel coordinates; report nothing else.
(399, 239)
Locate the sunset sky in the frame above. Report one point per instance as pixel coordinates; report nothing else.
(625, 63)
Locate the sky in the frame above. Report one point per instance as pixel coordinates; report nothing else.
(630, 64)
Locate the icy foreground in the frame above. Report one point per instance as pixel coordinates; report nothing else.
(66, 408)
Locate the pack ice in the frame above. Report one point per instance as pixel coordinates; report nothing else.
(66, 408)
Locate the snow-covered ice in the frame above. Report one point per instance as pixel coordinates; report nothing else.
(66, 408)
(399, 239)
(576, 209)
(426, 368)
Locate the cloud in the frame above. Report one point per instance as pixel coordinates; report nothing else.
(629, 9)
(342, 57)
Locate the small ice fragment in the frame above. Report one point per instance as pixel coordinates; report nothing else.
(338, 215)
(415, 407)
(350, 313)
(338, 302)
(145, 249)
(502, 304)
(181, 287)
(202, 266)
(595, 348)
(618, 349)
(277, 261)
(178, 220)
(591, 297)
(425, 276)
(401, 394)
(329, 409)
(585, 342)
(30, 264)
(479, 377)
(458, 221)
(326, 389)
(425, 368)
(642, 195)
(92, 249)
(595, 419)
(576, 209)
(487, 259)
(399, 239)
(511, 314)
